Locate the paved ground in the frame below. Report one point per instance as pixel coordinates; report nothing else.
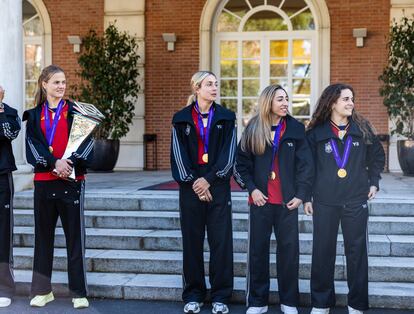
(64, 306)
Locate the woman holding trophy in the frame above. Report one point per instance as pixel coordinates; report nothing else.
(47, 134)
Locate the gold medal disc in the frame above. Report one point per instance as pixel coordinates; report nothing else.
(51, 149)
(342, 173)
(205, 157)
(341, 134)
(272, 175)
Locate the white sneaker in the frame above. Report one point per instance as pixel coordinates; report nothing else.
(257, 310)
(219, 308)
(288, 309)
(5, 302)
(42, 300)
(354, 311)
(316, 310)
(193, 307)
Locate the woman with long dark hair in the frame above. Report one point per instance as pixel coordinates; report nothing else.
(203, 145)
(47, 132)
(275, 164)
(348, 161)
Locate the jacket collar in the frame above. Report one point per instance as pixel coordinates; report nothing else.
(294, 129)
(220, 113)
(324, 131)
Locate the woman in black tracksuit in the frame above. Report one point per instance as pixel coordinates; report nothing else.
(203, 145)
(274, 163)
(9, 129)
(47, 131)
(348, 161)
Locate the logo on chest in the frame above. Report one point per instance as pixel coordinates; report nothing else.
(187, 130)
(328, 148)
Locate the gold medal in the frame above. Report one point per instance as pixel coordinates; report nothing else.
(341, 134)
(51, 149)
(342, 173)
(205, 157)
(272, 175)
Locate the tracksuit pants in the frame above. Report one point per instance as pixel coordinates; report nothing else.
(7, 286)
(354, 220)
(64, 199)
(285, 224)
(195, 217)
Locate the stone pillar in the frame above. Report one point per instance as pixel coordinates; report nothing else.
(11, 78)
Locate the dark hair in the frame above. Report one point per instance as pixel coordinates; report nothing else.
(323, 111)
(45, 76)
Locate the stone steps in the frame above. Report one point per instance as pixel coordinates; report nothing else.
(170, 240)
(170, 220)
(169, 287)
(390, 269)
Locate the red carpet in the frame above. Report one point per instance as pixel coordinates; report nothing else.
(172, 186)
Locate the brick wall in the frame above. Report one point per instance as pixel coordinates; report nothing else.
(168, 73)
(72, 17)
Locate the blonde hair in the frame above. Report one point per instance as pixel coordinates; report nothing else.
(196, 81)
(45, 76)
(258, 134)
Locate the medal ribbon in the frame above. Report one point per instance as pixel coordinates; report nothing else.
(276, 141)
(204, 136)
(341, 162)
(51, 129)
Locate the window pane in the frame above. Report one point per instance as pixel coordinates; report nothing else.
(278, 68)
(33, 28)
(228, 49)
(251, 49)
(301, 87)
(281, 82)
(30, 89)
(301, 69)
(230, 104)
(228, 68)
(301, 106)
(303, 21)
(33, 54)
(228, 88)
(251, 68)
(292, 6)
(251, 87)
(238, 7)
(249, 108)
(28, 10)
(255, 3)
(227, 23)
(279, 49)
(302, 49)
(32, 70)
(265, 21)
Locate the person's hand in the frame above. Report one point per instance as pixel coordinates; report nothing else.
(206, 197)
(259, 199)
(63, 167)
(372, 192)
(294, 203)
(200, 186)
(308, 208)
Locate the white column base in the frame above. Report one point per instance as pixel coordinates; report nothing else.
(23, 178)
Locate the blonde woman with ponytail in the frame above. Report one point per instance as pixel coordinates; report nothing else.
(203, 144)
(274, 163)
(47, 133)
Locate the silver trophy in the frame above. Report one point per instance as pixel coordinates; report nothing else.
(86, 118)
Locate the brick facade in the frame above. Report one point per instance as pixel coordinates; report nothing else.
(72, 17)
(168, 73)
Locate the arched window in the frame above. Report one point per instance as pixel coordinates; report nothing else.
(36, 45)
(262, 42)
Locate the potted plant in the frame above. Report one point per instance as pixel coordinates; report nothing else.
(398, 89)
(109, 80)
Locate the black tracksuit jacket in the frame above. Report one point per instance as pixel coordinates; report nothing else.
(221, 146)
(37, 148)
(366, 161)
(295, 165)
(10, 125)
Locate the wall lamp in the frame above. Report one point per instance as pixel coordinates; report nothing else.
(360, 34)
(75, 41)
(170, 39)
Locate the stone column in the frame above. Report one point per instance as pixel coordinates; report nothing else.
(11, 78)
